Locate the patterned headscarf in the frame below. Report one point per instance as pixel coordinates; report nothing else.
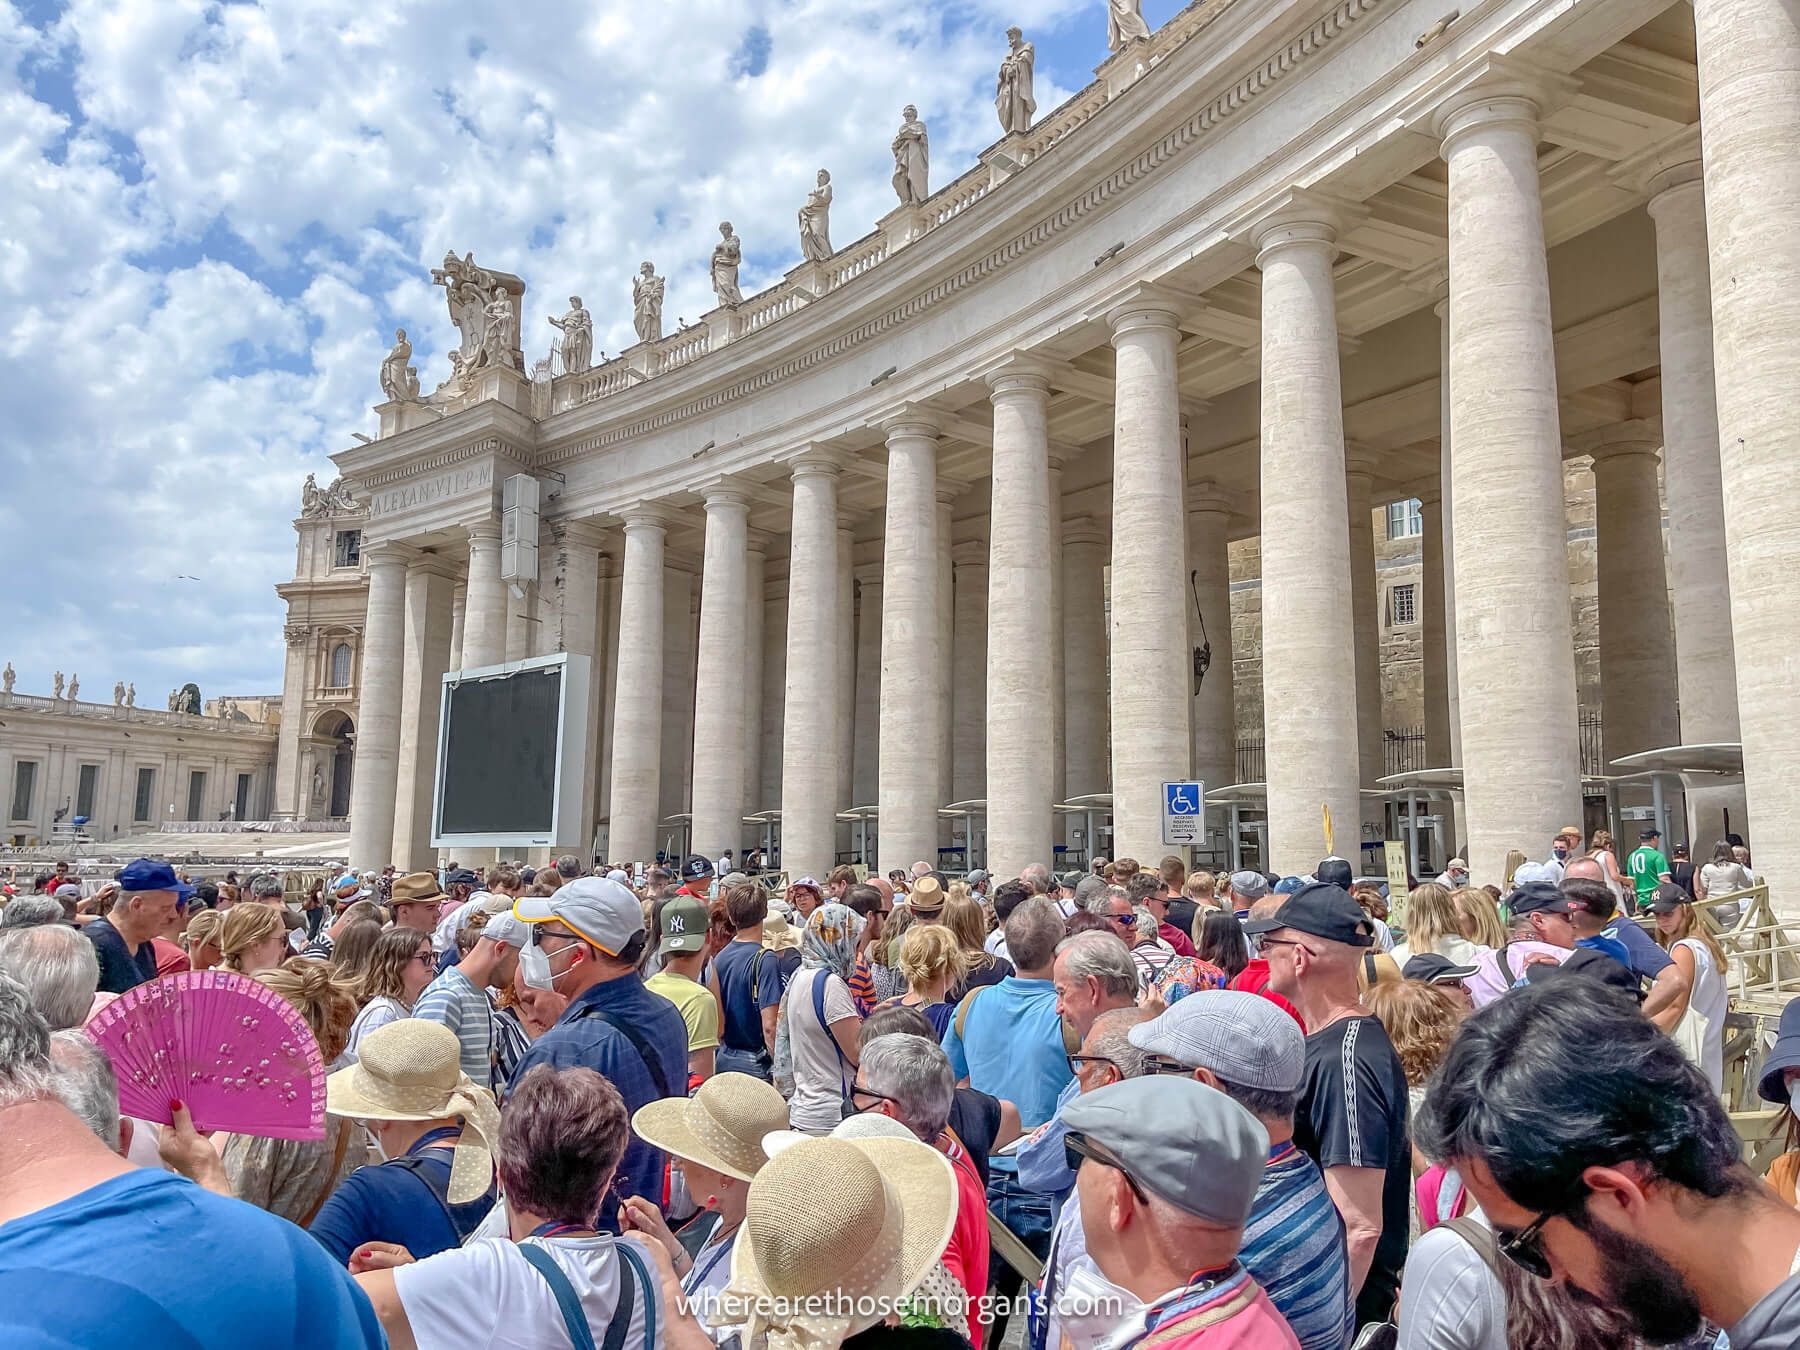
(830, 942)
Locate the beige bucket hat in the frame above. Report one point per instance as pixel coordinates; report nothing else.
(779, 935)
(837, 1233)
(411, 1070)
(721, 1126)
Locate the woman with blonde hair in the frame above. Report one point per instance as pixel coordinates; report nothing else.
(1432, 926)
(933, 962)
(400, 967)
(1421, 1020)
(967, 921)
(252, 938)
(1700, 1030)
(1478, 917)
(202, 939)
(350, 952)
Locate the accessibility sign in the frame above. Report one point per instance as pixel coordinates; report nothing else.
(1184, 813)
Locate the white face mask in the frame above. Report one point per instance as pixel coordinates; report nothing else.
(1095, 1313)
(534, 965)
(375, 1140)
(1794, 1095)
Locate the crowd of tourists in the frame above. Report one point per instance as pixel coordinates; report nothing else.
(674, 1105)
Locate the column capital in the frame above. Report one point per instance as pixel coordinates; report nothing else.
(482, 531)
(970, 553)
(817, 461)
(1205, 499)
(643, 517)
(1146, 305)
(584, 533)
(1432, 280)
(1431, 496)
(1359, 461)
(391, 553)
(1670, 163)
(911, 419)
(1492, 90)
(423, 562)
(949, 489)
(1620, 439)
(868, 574)
(723, 494)
(1016, 375)
(1083, 530)
(1295, 218)
(757, 541)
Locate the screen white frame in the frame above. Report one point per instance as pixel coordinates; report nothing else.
(564, 829)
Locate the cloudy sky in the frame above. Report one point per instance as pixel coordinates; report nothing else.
(214, 216)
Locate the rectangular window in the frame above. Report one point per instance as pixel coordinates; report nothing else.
(24, 788)
(243, 796)
(1403, 606)
(87, 787)
(1404, 520)
(348, 550)
(145, 801)
(196, 793)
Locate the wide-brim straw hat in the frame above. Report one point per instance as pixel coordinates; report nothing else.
(411, 1070)
(721, 1126)
(779, 935)
(837, 1232)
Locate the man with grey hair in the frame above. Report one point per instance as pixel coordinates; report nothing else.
(1008, 1040)
(58, 968)
(568, 867)
(1243, 889)
(1093, 973)
(68, 1201)
(86, 1084)
(1036, 876)
(909, 1079)
(1255, 1054)
(29, 911)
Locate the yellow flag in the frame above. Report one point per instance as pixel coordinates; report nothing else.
(1330, 852)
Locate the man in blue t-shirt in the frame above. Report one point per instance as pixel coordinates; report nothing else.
(1597, 924)
(748, 981)
(97, 1253)
(586, 943)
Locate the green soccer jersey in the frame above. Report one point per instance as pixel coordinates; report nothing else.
(1647, 867)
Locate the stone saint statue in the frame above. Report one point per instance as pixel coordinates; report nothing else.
(578, 337)
(174, 697)
(74, 686)
(647, 302)
(7, 678)
(56, 685)
(395, 368)
(131, 695)
(496, 337)
(912, 159)
(726, 256)
(310, 496)
(118, 692)
(1124, 23)
(318, 784)
(1012, 92)
(815, 221)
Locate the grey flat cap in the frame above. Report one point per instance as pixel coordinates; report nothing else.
(1088, 886)
(1244, 1038)
(1249, 885)
(1180, 1140)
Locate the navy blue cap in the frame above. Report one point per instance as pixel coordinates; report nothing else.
(1771, 1083)
(144, 874)
(1538, 897)
(462, 876)
(1324, 911)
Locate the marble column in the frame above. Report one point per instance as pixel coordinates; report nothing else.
(1059, 729)
(522, 620)
(425, 658)
(484, 614)
(1309, 665)
(1749, 60)
(944, 685)
(679, 625)
(376, 777)
(774, 685)
(459, 603)
(612, 593)
(1446, 533)
(1084, 657)
(1365, 619)
(810, 744)
(870, 676)
(1151, 666)
(912, 711)
(636, 778)
(293, 784)
(1209, 627)
(1515, 647)
(1699, 582)
(1021, 736)
(970, 671)
(756, 562)
(575, 624)
(1637, 678)
(845, 637)
(719, 684)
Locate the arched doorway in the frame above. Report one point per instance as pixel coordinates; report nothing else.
(334, 742)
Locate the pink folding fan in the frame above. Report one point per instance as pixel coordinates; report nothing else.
(234, 1052)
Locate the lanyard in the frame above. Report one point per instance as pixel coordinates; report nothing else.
(551, 1230)
(696, 1278)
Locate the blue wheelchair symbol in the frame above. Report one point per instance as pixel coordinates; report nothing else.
(1182, 799)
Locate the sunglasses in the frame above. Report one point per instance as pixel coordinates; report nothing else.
(1525, 1248)
(1077, 1146)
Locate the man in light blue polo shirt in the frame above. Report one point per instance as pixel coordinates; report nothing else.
(1007, 1040)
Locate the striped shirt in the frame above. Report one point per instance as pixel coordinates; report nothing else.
(453, 1000)
(1294, 1246)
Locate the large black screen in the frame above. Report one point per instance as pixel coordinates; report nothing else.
(499, 769)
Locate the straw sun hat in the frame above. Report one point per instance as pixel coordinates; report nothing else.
(410, 1070)
(837, 1232)
(721, 1126)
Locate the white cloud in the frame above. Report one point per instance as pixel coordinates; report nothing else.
(204, 249)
